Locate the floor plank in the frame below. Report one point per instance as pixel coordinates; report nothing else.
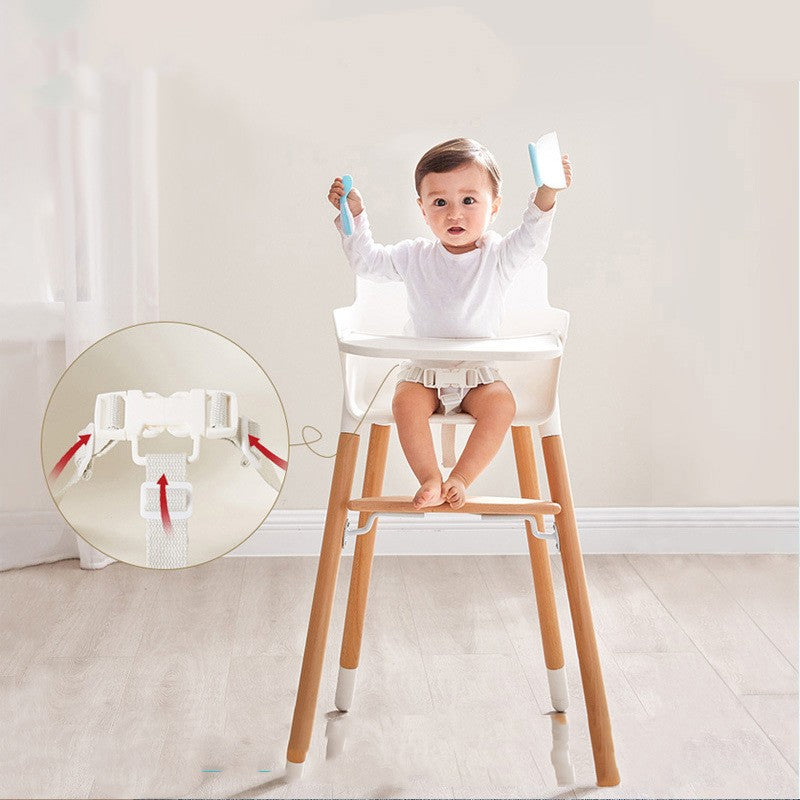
(36, 601)
(705, 734)
(718, 626)
(449, 601)
(765, 586)
(629, 614)
(121, 600)
(777, 716)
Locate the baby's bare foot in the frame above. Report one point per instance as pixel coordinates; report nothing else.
(429, 494)
(454, 490)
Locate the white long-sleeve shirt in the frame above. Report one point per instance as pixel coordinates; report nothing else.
(452, 295)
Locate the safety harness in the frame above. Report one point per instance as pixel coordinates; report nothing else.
(165, 500)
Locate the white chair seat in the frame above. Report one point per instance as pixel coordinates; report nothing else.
(383, 416)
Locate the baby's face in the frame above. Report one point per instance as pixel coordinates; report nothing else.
(458, 205)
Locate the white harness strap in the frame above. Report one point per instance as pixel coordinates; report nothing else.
(166, 549)
(448, 445)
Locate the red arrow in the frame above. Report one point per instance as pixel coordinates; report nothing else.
(59, 468)
(165, 520)
(254, 442)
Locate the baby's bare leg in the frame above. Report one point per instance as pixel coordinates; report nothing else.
(493, 407)
(412, 406)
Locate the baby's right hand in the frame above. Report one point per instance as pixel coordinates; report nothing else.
(353, 198)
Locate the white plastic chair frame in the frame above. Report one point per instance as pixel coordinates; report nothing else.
(531, 348)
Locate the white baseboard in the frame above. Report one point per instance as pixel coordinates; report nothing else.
(760, 529)
(27, 538)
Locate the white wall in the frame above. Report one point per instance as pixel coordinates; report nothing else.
(675, 249)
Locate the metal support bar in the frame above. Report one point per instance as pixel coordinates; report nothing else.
(370, 521)
(529, 519)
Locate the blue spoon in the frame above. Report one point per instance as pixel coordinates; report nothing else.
(537, 178)
(347, 217)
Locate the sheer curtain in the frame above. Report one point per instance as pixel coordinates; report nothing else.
(78, 246)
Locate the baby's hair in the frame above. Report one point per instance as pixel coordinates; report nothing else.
(454, 153)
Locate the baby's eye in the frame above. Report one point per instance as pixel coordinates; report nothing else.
(439, 201)
(468, 201)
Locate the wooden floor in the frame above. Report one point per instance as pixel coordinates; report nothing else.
(129, 682)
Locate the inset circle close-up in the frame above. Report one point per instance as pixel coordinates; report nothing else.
(165, 445)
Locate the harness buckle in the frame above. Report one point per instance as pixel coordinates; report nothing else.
(133, 414)
(436, 378)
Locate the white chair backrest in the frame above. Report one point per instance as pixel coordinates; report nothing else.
(380, 307)
(527, 292)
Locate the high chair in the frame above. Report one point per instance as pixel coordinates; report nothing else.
(529, 358)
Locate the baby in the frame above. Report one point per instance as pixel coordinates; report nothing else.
(455, 287)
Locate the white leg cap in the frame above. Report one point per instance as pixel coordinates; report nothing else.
(345, 688)
(294, 772)
(559, 693)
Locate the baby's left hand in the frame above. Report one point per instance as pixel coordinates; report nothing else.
(545, 196)
(567, 170)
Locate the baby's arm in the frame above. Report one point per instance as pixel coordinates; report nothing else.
(368, 259)
(529, 241)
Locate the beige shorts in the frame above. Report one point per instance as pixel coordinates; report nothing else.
(451, 388)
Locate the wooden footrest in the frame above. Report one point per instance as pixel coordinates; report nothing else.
(509, 506)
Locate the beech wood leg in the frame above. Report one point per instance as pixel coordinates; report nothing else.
(540, 566)
(321, 605)
(362, 570)
(583, 627)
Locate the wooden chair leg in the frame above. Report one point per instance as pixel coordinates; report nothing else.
(577, 592)
(362, 570)
(321, 605)
(542, 575)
